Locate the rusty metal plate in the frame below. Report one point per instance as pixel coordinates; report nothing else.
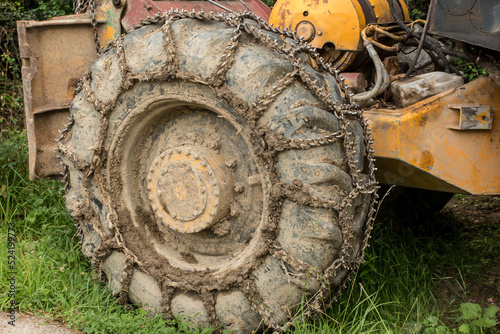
(140, 9)
(55, 55)
(473, 117)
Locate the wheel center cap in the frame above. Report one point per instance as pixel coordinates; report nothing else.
(182, 191)
(190, 189)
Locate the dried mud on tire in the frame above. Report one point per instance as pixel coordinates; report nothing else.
(215, 175)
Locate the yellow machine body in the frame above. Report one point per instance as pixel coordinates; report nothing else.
(448, 142)
(334, 24)
(439, 143)
(425, 145)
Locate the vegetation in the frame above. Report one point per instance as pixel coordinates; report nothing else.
(18, 10)
(398, 290)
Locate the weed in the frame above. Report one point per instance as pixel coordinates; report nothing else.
(470, 69)
(53, 278)
(474, 320)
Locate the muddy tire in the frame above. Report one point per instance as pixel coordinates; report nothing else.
(210, 178)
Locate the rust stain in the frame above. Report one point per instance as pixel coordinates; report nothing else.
(426, 160)
(72, 84)
(285, 13)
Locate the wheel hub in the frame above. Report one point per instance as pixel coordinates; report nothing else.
(190, 188)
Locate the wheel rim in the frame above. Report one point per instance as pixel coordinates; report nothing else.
(200, 184)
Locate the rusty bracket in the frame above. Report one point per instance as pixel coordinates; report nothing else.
(473, 117)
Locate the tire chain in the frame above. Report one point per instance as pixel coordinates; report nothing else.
(247, 21)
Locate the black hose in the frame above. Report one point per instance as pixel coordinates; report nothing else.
(427, 44)
(420, 45)
(436, 60)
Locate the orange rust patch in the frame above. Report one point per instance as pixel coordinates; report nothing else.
(426, 160)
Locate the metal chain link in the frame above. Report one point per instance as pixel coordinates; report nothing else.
(94, 26)
(362, 186)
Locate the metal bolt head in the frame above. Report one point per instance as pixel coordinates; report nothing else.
(231, 163)
(239, 188)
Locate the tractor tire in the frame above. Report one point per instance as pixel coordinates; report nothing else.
(204, 178)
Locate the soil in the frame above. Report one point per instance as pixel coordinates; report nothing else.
(27, 324)
(478, 219)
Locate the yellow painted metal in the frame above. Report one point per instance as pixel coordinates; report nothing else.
(336, 21)
(383, 11)
(418, 146)
(109, 13)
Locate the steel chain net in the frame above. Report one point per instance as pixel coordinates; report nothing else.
(274, 143)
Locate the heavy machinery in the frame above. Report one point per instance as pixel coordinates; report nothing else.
(223, 169)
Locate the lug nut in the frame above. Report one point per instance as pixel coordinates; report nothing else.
(239, 188)
(231, 163)
(254, 180)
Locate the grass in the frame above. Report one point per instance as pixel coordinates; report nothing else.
(398, 290)
(53, 278)
(393, 292)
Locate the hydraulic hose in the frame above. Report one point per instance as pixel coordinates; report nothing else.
(426, 43)
(382, 81)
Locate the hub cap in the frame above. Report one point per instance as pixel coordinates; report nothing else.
(190, 189)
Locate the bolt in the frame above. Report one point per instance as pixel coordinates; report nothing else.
(203, 163)
(234, 212)
(254, 180)
(231, 163)
(239, 188)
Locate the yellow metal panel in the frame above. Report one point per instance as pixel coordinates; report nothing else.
(418, 147)
(336, 21)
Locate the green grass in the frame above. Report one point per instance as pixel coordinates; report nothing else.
(395, 291)
(53, 278)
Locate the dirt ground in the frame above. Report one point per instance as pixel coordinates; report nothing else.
(479, 218)
(475, 210)
(27, 324)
